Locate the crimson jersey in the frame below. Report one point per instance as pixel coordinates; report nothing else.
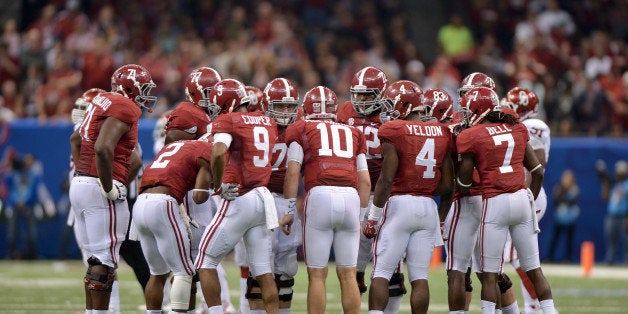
(421, 147)
(176, 166)
(329, 152)
(254, 136)
(499, 150)
(103, 106)
(190, 118)
(369, 125)
(476, 185)
(279, 160)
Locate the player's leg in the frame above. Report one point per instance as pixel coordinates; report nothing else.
(258, 242)
(318, 239)
(526, 243)
(345, 209)
(396, 290)
(219, 238)
(241, 258)
(492, 238)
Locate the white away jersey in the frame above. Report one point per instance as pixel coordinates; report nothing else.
(539, 135)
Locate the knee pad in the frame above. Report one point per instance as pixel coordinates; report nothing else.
(253, 290)
(284, 286)
(396, 285)
(99, 282)
(503, 282)
(467, 281)
(180, 292)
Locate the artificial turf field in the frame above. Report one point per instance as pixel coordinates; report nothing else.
(56, 287)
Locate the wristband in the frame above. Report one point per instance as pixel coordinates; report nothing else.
(463, 185)
(375, 212)
(292, 206)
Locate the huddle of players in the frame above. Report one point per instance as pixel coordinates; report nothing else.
(248, 164)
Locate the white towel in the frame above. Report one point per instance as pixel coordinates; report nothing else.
(270, 209)
(535, 219)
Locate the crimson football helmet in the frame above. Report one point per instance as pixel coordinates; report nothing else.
(401, 98)
(134, 82)
(226, 96)
(256, 98)
(320, 102)
(369, 82)
(523, 101)
(440, 103)
(81, 103)
(475, 79)
(477, 103)
(199, 83)
(281, 101)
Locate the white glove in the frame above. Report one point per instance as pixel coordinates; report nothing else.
(228, 191)
(117, 192)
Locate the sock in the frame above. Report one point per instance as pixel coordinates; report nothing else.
(457, 312)
(284, 311)
(498, 311)
(258, 311)
(191, 312)
(488, 307)
(511, 309)
(114, 300)
(100, 311)
(244, 302)
(153, 311)
(394, 304)
(216, 309)
(375, 312)
(548, 306)
(88, 311)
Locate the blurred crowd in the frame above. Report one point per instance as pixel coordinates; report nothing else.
(573, 54)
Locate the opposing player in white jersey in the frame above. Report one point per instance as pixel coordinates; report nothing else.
(337, 184)
(417, 166)
(525, 103)
(241, 170)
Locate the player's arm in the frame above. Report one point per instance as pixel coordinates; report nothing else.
(136, 165)
(390, 163)
(364, 181)
(222, 141)
(75, 145)
(108, 138)
(203, 181)
(536, 170)
(465, 174)
(291, 184)
(173, 135)
(446, 187)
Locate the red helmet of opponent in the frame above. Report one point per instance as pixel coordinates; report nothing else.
(281, 101)
(367, 87)
(320, 102)
(81, 103)
(199, 83)
(134, 82)
(523, 101)
(256, 98)
(400, 99)
(226, 96)
(440, 103)
(477, 103)
(475, 79)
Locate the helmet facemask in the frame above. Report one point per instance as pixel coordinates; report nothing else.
(365, 107)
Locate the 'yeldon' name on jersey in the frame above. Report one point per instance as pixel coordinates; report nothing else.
(492, 130)
(425, 130)
(263, 120)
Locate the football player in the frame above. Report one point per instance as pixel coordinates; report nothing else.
(417, 166)
(507, 203)
(103, 148)
(241, 168)
(363, 111)
(162, 220)
(337, 184)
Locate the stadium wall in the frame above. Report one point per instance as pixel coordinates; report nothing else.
(50, 144)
